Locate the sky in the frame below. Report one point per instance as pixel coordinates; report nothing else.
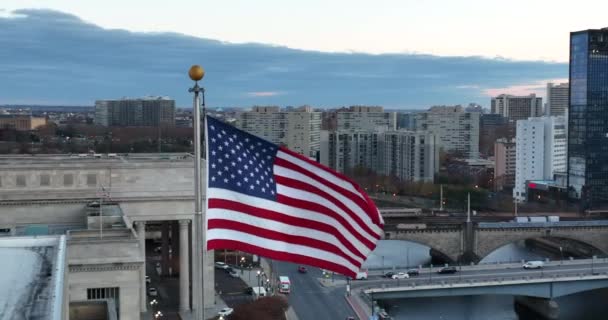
(516, 29)
(401, 54)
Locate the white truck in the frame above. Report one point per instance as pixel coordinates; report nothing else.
(259, 292)
(284, 284)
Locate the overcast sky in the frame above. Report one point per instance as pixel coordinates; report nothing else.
(516, 29)
(401, 54)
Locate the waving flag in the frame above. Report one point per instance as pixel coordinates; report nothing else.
(270, 201)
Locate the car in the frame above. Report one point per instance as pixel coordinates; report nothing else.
(533, 265)
(388, 275)
(234, 274)
(225, 312)
(152, 292)
(221, 265)
(413, 272)
(148, 280)
(248, 290)
(350, 318)
(400, 275)
(361, 275)
(229, 270)
(447, 270)
(302, 269)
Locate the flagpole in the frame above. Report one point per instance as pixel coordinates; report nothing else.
(197, 73)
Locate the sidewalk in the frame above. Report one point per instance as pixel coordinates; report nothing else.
(361, 308)
(209, 312)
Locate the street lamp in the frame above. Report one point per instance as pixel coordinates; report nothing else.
(561, 253)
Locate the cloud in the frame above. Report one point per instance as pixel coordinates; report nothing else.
(56, 57)
(264, 93)
(538, 88)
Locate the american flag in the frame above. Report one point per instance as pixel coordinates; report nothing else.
(267, 200)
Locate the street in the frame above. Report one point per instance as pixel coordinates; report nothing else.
(309, 299)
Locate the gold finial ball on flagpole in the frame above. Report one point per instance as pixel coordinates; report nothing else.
(196, 72)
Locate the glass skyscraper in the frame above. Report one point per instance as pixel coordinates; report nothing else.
(588, 118)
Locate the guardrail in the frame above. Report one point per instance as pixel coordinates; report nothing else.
(437, 283)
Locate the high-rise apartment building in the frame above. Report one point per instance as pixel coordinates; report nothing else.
(407, 155)
(406, 120)
(588, 118)
(363, 118)
(517, 107)
(299, 129)
(346, 150)
(141, 112)
(504, 164)
(557, 99)
(456, 131)
(540, 151)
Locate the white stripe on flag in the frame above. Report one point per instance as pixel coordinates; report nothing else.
(355, 208)
(311, 197)
(262, 203)
(320, 172)
(273, 225)
(227, 234)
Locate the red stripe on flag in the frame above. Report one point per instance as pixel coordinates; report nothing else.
(279, 255)
(375, 217)
(330, 213)
(290, 220)
(370, 210)
(279, 236)
(296, 184)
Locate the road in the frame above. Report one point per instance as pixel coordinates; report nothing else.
(510, 271)
(309, 299)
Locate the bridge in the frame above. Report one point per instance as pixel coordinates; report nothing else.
(534, 288)
(471, 242)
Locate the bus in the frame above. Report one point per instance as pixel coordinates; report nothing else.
(284, 284)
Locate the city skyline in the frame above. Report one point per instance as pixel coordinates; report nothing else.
(53, 55)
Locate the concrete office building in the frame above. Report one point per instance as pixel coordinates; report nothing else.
(588, 118)
(504, 164)
(364, 118)
(540, 151)
(21, 122)
(517, 107)
(140, 112)
(557, 99)
(106, 244)
(455, 130)
(298, 129)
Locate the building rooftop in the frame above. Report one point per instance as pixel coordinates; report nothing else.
(94, 157)
(31, 285)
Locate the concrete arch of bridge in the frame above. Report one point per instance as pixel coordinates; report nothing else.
(486, 251)
(433, 251)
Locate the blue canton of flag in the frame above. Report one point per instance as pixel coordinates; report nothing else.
(239, 161)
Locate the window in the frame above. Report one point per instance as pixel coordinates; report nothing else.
(102, 293)
(68, 179)
(91, 179)
(45, 180)
(20, 180)
(105, 293)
